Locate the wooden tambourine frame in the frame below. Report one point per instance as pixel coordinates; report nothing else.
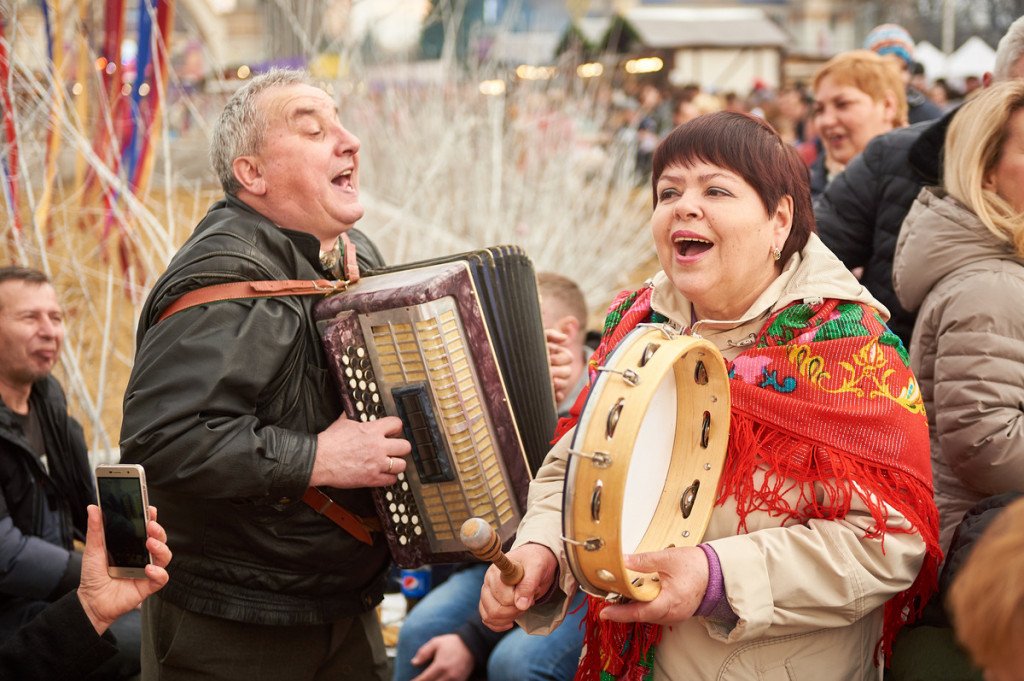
(603, 447)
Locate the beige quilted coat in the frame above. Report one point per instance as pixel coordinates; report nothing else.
(967, 351)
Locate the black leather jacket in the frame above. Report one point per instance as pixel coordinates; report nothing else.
(33, 566)
(222, 409)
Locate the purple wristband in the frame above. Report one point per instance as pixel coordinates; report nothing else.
(715, 605)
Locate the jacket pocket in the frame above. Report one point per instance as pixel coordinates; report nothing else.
(841, 654)
(780, 673)
(253, 535)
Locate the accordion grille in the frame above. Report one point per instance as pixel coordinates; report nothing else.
(434, 351)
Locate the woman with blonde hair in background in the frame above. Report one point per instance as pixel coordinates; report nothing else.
(960, 259)
(858, 95)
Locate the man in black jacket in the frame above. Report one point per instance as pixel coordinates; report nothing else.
(45, 481)
(860, 213)
(231, 411)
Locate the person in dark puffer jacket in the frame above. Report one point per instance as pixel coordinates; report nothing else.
(861, 211)
(45, 481)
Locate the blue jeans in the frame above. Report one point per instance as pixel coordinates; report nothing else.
(517, 657)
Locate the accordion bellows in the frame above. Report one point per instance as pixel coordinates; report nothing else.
(427, 344)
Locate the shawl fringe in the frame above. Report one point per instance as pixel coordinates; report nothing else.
(790, 461)
(616, 650)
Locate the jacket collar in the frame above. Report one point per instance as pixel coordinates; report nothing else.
(941, 236)
(925, 155)
(307, 244)
(38, 399)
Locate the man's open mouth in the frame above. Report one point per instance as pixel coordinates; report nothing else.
(343, 179)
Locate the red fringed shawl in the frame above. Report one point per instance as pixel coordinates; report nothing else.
(824, 396)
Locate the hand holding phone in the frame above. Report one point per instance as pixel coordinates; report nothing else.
(104, 598)
(123, 501)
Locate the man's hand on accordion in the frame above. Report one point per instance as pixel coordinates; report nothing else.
(360, 454)
(501, 604)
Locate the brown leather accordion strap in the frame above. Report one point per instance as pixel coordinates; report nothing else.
(347, 271)
(239, 290)
(357, 526)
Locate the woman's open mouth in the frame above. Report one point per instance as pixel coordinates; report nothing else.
(689, 247)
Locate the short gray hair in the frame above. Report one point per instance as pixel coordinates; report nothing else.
(240, 128)
(1009, 51)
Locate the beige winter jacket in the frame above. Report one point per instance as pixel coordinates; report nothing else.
(967, 351)
(809, 595)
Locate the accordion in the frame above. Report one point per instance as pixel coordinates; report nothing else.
(455, 348)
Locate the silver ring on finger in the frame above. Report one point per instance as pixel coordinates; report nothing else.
(391, 464)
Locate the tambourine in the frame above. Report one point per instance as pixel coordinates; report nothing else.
(646, 458)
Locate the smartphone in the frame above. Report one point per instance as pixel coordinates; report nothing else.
(124, 502)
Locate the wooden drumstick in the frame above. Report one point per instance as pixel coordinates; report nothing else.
(481, 539)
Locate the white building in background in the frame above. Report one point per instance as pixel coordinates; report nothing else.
(249, 31)
(722, 45)
(722, 48)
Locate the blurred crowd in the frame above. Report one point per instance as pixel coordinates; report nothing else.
(623, 123)
(643, 113)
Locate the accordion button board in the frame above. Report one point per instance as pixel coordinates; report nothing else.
(415, 343)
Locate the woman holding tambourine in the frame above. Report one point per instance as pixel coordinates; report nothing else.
(821, 531)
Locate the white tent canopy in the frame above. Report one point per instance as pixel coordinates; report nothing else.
(932, 58)
(973, 58)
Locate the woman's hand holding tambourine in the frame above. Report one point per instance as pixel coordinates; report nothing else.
(501, 604)
(683, 573)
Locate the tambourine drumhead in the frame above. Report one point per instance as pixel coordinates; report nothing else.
(645, 459)
(649, 464)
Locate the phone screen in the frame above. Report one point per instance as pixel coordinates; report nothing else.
(124, 522)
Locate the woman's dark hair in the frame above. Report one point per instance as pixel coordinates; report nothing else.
(750, 147)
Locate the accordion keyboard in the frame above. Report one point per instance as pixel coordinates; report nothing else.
(425, 356)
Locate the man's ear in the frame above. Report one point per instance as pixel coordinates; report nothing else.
(249, 173)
